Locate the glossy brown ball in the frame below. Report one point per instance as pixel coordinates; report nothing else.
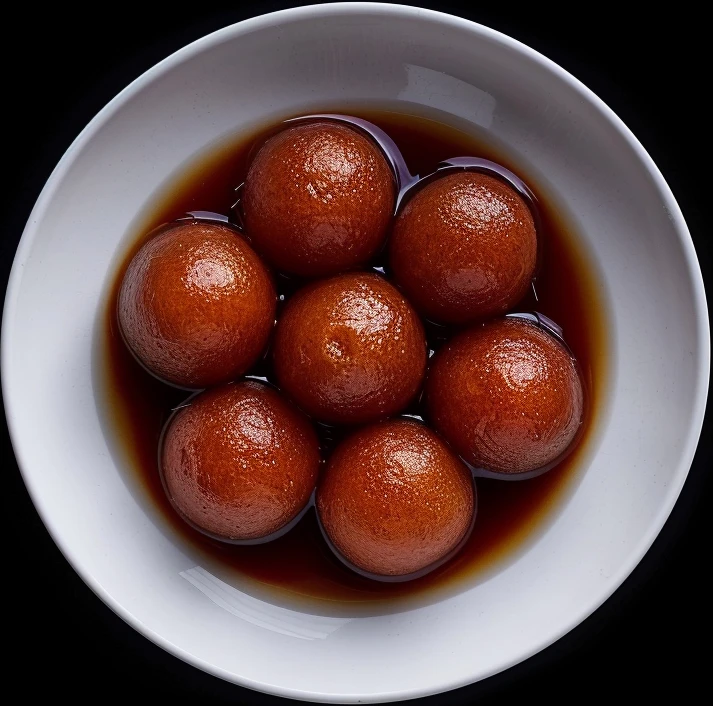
(350, 349)
(196, 305)
(506, 395)
(318, 199)
(239, 462)
(394, 499)
(464, 248)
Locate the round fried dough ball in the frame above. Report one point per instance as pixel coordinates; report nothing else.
(395, 500)
(318, 199)
(350, 349)
(239, 462)
(464, 248)
(196, 305)
(506, 395)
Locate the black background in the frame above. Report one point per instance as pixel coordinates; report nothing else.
(60, 67)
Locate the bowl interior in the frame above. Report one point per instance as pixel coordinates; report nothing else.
(297, 61)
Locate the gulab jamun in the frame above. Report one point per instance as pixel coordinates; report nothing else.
(464, 248)
(239, 462)
(318, 199)
(196, 304)
(394, 499)
(507, 395)
(350, 349)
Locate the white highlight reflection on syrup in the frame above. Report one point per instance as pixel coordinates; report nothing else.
(436, 89)
(261, 613)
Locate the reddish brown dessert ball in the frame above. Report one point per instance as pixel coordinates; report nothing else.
(318, 199)
(239, 462)
(394, 499)
(196, 305)
(506, 395)
(350, 349)
(464, 248)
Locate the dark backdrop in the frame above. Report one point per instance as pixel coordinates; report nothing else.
(61, 66)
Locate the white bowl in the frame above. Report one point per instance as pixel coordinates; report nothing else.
(294, 61)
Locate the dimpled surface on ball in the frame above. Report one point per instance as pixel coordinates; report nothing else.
(318, 199)
(350, 349)
(239, 462)
(394, 499)
(507, 396)
(196, 305)
(464, 248)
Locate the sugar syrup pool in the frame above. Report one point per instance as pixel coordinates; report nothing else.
(299, 563)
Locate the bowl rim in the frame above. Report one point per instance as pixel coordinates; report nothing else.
(231, 32)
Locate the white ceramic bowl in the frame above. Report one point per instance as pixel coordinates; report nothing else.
(295, 61)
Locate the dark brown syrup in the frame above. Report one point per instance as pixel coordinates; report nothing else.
(300, 562)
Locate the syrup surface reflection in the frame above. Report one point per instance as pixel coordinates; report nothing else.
(510, 515)
(298, 624)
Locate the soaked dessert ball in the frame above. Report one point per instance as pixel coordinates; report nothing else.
(506, 395)
(239, 462)
(350, 349)
(318, 199)
(394, 499)
(196, 305)
(464, 248)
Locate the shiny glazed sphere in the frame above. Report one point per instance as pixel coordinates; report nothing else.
(506, 395)
(239, 462)
(394, 499)
(350, 349)
(318, 199)
(196, 305)
(464, 248)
